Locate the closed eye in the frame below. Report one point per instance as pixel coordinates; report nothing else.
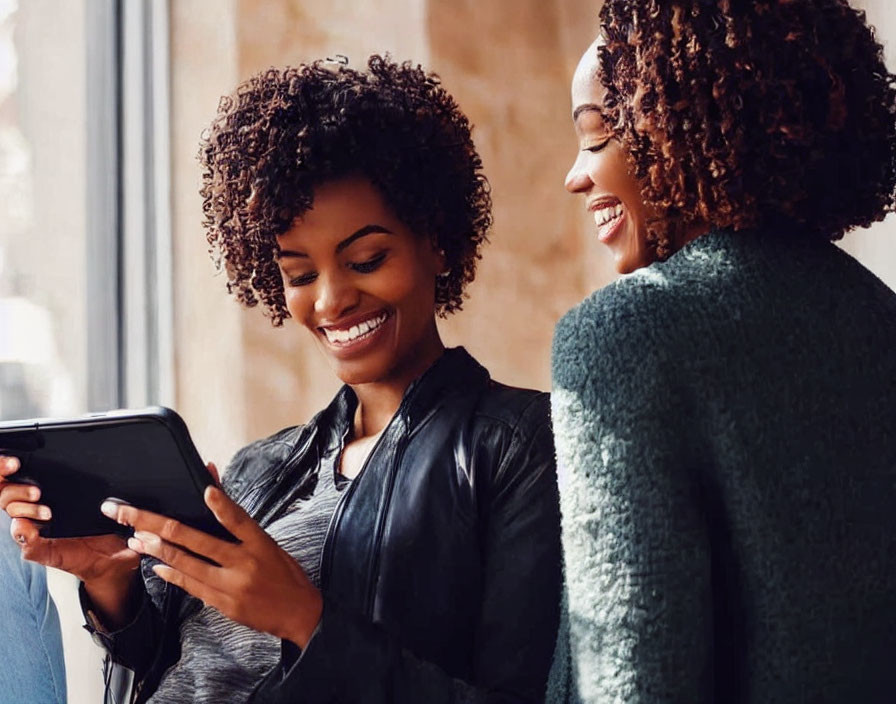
(595, 148)
(368, 266)
(303, 279)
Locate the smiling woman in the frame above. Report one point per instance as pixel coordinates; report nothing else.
(724, 413)
(600, 173)
(363, 284)
(403, 545)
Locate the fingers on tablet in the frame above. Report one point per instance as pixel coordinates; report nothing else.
(10, 493)
(34, 512)
(9, 465)
(111, 508)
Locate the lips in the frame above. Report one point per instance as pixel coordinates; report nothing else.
(608, 216)
(348, 335)
(355, 335)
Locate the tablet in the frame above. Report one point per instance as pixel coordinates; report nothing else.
(141, 457)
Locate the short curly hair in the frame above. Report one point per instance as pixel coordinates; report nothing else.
(283, 133)
(743, 114)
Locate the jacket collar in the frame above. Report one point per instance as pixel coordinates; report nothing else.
(454, 373)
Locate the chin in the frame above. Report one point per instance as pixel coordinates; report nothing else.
(629, 262)
(353, 375)
(361, 371)
(626, 265)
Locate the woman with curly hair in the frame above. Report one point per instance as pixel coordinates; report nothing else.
(724, 414)
(404, 544)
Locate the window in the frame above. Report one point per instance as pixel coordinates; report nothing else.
(43, 349)
(84, 251)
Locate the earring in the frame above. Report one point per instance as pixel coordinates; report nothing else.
(447, 271)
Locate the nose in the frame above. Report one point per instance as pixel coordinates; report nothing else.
(578, 180)
(334, 296)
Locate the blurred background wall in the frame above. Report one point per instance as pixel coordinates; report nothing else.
(231, 375)
(508, 65)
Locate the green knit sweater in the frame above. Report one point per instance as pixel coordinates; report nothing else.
(726, 434)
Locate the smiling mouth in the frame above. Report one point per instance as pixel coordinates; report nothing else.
(608, 217)
(341, 337)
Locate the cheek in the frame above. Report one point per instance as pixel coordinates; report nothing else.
(298, 303)
(410, 294)
(611, 172)
(407, 283)
(626, 186)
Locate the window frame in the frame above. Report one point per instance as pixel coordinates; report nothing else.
(129, 268)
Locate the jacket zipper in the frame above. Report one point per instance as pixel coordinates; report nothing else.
(381, 520)
(326, 554)
(326, 559)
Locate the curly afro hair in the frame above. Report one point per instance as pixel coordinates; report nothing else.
(743, 114)
(285, 132)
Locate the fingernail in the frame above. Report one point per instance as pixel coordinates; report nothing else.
(109, 509)
(44, 513)
(12, 464)
(34, 493)
(145, 536)
(135, 544)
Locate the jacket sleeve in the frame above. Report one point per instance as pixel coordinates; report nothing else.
(349, 659)
(134, 645)
(635, 545)
(137, 645)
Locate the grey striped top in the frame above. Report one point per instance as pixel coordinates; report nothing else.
(222, 660)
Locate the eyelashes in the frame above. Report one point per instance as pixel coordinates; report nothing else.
(365, 267)
(370, 265)
(594, 149)
(303, 280)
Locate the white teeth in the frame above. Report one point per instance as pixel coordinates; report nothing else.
(607, 214)
(355, 331)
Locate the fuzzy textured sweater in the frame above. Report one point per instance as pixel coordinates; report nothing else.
(726, 433)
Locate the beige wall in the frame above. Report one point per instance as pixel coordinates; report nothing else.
(508, 66)
(207, 332)
(509, 72)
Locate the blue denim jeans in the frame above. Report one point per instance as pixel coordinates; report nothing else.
(31, 664)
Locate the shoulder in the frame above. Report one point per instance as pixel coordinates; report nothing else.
(618, 335)
(651, 320)
(516, 408)
(510, 432)
(475, 395)
(257, 458)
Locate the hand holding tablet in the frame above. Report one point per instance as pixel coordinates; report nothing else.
(144, 458)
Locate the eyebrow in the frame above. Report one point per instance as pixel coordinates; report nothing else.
(587, 107)
(356, 235)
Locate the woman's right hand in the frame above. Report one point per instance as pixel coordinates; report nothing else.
(104, 563)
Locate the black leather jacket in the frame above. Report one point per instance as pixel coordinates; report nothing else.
(441, 570)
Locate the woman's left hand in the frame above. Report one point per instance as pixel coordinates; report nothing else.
(257, 583)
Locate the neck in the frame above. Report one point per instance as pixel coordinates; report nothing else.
(692, 232)
(379, 400)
